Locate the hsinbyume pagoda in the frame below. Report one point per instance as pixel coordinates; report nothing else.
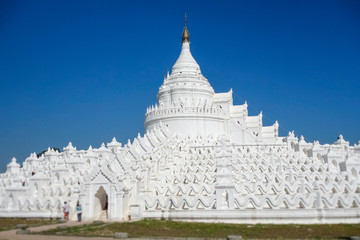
(201, 159)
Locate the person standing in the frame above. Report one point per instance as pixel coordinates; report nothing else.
(66, 210)
(79, 211)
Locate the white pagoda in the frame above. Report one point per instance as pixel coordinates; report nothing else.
(201, 159)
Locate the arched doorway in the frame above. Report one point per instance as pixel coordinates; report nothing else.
(101, 204)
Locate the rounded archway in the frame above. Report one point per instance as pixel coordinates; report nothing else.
(101, 204)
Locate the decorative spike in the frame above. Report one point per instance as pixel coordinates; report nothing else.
(276, 124)
(185, 35)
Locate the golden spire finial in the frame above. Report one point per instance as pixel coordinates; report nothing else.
(185, 34)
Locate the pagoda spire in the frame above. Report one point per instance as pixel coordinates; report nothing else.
(185, 34)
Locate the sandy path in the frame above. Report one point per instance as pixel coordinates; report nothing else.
(11, 235)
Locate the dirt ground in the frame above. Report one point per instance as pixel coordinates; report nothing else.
(156, 229)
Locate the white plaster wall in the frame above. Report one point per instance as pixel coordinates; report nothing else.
(192, 126)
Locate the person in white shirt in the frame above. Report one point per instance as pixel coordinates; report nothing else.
(66, 209)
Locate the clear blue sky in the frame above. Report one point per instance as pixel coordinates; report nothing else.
(85, 71)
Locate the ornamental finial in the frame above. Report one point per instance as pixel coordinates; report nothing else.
(185, 34)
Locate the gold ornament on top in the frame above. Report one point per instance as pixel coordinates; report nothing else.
(185, 34)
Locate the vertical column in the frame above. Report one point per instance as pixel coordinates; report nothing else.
(112, 203)
(224, 187)
(88, 200)
(119, 205)
(125, 204)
